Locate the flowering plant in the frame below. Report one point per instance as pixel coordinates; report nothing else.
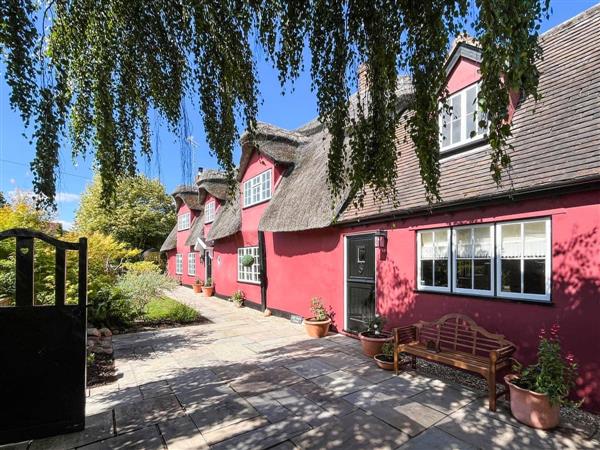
(552, 375)
(318, 310)
(375, 325)
(238, 297)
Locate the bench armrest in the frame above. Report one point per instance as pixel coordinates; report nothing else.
(503, 353)
(404, 334)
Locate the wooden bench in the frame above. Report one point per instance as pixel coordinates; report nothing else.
(457, 341)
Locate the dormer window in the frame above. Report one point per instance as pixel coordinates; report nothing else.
(209, 212)
(183, 222)
(459, 125)
(257, 189)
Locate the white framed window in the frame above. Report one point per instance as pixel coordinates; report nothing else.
(249, 274)
(258, 188)
(192, 263)
(473, 259)
(209, 212)
(179, 264)
(460, 125)
(433, 260)
(183, 221)
(523, 260)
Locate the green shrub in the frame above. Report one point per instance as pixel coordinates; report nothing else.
(318, 309)
(388, 349)
(142, 266)
(238, 297)
(141, 287)
(167, 310)
(110, 308)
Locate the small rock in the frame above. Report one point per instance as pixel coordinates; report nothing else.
(267, 312)
(115, 332)
(105, 332)
(93, 332)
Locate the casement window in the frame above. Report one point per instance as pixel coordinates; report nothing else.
(505, 260)
(460, 125)
(209, 212)
(179, 264)
(257, 189)
(183, 222)
(472, 259)
(433, 253)
(523, 260)
(249, 274)
(191, 263)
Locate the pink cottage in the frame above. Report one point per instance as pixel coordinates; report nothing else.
(516, 258)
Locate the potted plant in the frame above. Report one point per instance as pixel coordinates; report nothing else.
(247, 260)
(238, 298)
(317, 326)
(374, 337)
(385, 359)
(208, 288)
(538, 391)
(197, 285)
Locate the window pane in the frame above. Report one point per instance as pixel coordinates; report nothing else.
(441, 244)
(445, 125)
(471, 99)
(482, 242)
(456, 134)
(511, 241)
(534, 278)
(482, 274)
(427, 245)
(427, 273)
(535, 240)
(471, 126)
(441, 273)
(463, 273)
(455, 103)
(511, 275)
(463, 243)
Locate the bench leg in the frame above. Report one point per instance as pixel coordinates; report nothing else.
(396, 359)
(492, 390)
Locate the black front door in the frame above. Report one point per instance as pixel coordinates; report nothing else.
(360, 282)
(208, 260)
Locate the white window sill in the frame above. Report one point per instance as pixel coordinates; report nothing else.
(470, 143)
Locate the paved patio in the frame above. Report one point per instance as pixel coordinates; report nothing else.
(244, 381)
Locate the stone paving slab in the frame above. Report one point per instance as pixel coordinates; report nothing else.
(244, 381)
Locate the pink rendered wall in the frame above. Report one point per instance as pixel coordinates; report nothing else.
(184, 250)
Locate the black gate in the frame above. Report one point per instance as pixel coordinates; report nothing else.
(360, 281)
(43, 348)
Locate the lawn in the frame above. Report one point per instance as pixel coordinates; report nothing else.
(165, 310)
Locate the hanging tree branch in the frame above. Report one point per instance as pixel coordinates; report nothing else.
(107, 63)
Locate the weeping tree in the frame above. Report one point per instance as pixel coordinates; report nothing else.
(94, 70)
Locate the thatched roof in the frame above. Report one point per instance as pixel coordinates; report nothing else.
(171, 241)
(214, 182)
(188, 195)
(228, 220)
(276, 143)
(303, 200)
(196, 230)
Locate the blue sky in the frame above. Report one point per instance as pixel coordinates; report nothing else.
(288, 110)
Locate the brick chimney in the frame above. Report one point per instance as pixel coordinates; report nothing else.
(362, 83)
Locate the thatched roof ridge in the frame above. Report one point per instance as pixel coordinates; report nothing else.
(214, 182)
(276, 143)
(171, 240)
(228, 220)
(187, 194)
(196, 230)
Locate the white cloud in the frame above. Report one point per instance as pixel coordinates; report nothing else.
(66, 224)
(66, 197)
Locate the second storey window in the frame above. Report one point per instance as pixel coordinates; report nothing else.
(178, 263)
(249, 273)
(460, 125)
(192, 263)
(209, 212)
(433, 259)
(257, 189)
(183, 222)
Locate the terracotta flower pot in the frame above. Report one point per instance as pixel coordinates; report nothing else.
(208, 291)
(197, 288)
(531, 408)
(371, 344)
(383, 361)
(317, 328)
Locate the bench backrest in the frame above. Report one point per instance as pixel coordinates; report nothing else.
(459, 333)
